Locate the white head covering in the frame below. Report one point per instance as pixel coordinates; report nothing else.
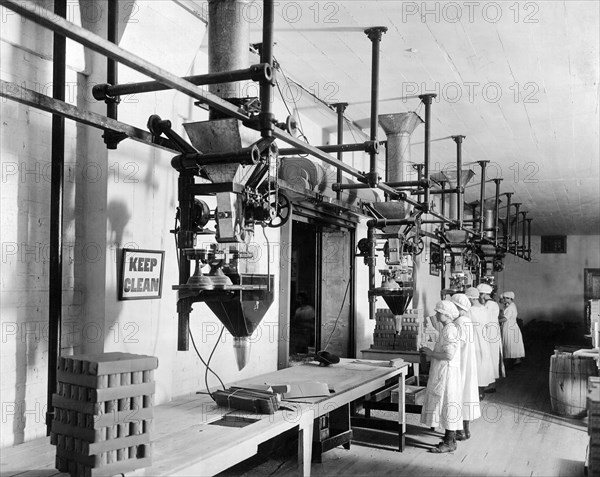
(472, 292)
(509, 294)
(485, 288)
(461, 301)
(446, 307)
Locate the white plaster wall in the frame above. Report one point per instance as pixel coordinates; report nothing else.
(550, 287)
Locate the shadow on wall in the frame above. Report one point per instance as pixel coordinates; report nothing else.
(118, 217)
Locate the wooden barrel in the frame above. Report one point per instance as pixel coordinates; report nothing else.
(568, 383)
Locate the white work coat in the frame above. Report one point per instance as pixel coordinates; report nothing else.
(493, 336)
(442, 405)
(512, 339)
(468, 369)
(483, 352)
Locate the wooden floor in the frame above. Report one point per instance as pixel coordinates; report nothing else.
(518, 436)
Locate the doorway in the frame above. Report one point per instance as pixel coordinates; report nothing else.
(321, 289)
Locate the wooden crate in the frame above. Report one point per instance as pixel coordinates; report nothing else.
(103, 413)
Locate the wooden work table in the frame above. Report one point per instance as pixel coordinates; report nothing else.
(187, 438)
(186, 443)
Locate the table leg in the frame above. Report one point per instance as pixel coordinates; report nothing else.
(401, 411)
(416, 373)
(305, 437)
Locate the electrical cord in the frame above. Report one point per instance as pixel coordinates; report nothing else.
(207, 364)
(338, 317)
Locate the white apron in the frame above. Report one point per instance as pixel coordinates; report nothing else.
(493, 336)
(512, 339)
(483, 351)
(442, 406)
(468, 369)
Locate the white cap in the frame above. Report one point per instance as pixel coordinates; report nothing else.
(446, 307)
(509, 294)
(461, 301)
(485, 288)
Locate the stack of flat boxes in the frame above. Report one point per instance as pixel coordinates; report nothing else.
(593, 406)
(103, 413)
(398, 332)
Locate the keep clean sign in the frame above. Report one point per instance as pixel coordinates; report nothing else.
(141, 274)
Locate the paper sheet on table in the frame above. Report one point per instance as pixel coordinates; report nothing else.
(306, 390)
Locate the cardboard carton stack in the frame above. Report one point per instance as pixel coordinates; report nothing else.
(103, 413)
(398, 332)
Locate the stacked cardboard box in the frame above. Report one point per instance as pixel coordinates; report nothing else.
(398, 332)
(103, 413)
(593, 407)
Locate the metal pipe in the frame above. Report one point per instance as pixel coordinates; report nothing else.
(443, 198)
(508, 236)
(459, 191)
(111, 65)
(266, 116)
(427, 99)
(192, 160)
(483, 165)
(374, 34)
(56, 216)
(407, 184)
(340, 108)
(42, 16)
(497, 212)
(443, 191)
(517, 207)
(529, 240)
(524, 214)
(366, 146)
(371, 262)
(103, 92)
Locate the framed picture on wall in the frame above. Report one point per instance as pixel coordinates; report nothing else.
(434, 269)
(554, 244)
(141, 274)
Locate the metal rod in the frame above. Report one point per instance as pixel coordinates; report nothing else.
(31, 98)
(483, 165)
(508, 236)
(497, 212)
(371, 262)
(37, 14)
(517, 206)
(443, 198)
(329, 148)
(374, 34)
(459, 190)
(524, 214)
(529, 239)
(427, 99)
(443, 191)
(56, 216)
(340, 108)
(111, 64)
(266, 57)
(417, 183)
(257, 72)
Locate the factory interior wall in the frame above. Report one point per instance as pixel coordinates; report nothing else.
(550, 287)
(123, 198)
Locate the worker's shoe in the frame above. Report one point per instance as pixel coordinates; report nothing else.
(447, 445)
(444, 447)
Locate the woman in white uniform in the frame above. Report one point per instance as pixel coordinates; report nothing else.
(491, 332)
(483, 354)
(512, 339)
(468, 366)
(443, 396)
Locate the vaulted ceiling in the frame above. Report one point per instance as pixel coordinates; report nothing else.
(519, 79)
